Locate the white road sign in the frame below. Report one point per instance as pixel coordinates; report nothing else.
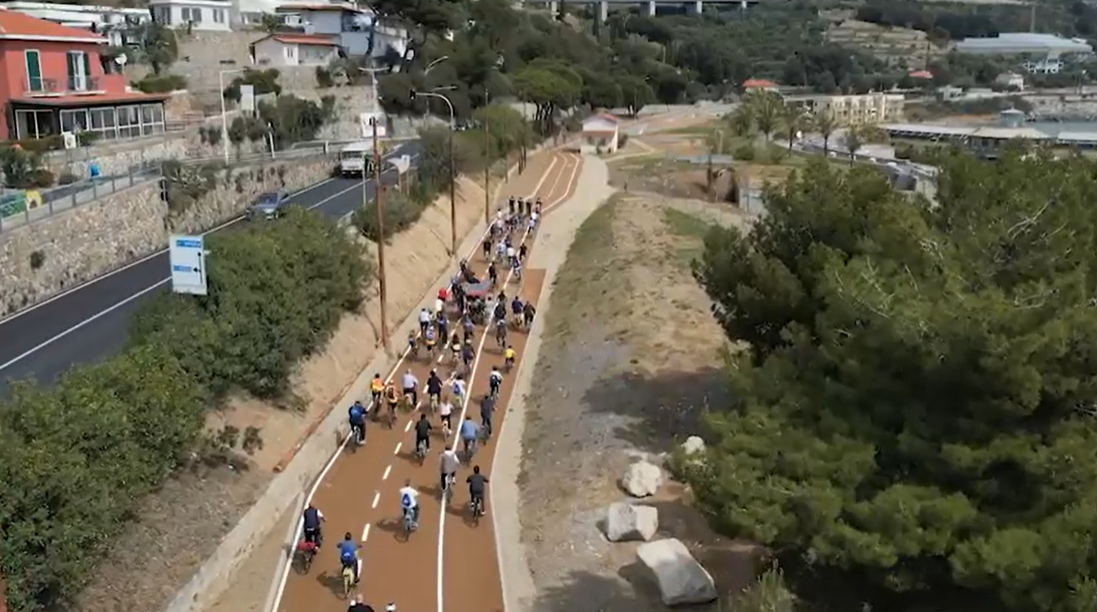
(365, 121)
(188, 265)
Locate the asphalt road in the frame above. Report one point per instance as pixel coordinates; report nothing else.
(91, 322)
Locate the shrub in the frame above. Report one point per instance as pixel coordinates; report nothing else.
(277, 292)
(164, 83)
(323, 77)
(400, 212)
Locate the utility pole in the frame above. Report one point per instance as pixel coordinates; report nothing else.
(487, 173)
(452, 193)
(378, 190)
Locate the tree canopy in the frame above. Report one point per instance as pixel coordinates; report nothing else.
(914, 416)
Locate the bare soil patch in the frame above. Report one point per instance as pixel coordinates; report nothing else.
(176, 529)
(629, 361)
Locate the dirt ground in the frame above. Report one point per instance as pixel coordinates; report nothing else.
(628, 362)
(177, 528)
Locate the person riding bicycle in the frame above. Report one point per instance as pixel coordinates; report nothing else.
(527, 313)
(477, 482)
(533, 221)
(413, 341)
(537, 207)
(500, 311)
(430, 339)
(410, 386)
(434, 388)
(455, 345)
(468, 354)
(424, 320)
(357, 605)
(459, 389)
(468, 326)
(376, 386)
(439, 307)
(443, 328)
(445, 416)
(422, 433)
(311, 519)
(348, 554)
(357, 416)
(495, 380)
(512, 256)
(501, 331)
(511, 202)
(516, 307)
(517, 269)
(523, 251)
(391, 398)
(409, 501)
(469, 434)
(493, 274)
(509, 356)
(487, 247)
(487, 409)
(448, 464)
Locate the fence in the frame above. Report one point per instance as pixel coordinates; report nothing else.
(19, 208)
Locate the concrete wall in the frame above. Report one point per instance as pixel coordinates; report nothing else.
(82, 243)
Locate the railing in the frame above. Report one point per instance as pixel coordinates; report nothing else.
(76, 83)
(83, 83)
(19, 208)
(42, 86)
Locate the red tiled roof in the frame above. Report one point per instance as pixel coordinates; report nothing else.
(305, 39)
(94, 99)
(921, 74)
(14, 24)
(604, 115)
(758, 83)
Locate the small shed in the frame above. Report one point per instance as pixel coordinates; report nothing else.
(600, 133)
(293, 49)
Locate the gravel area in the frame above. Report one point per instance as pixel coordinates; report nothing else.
(628, 358)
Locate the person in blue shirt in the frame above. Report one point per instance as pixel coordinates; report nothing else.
(348, 554)
(357, 414)
(469, 434)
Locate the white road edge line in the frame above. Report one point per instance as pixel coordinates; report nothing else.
(365, 533)
(131, 298)
(461, 419)
(339, 451)
(376, 498)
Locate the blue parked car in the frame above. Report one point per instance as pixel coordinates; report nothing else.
(269, 206)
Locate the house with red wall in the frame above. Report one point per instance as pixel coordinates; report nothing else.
(53, 80)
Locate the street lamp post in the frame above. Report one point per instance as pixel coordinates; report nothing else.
(224, 120)
(452, 171)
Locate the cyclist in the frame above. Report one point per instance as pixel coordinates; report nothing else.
(493, 274)
(311, 520)
(409, 501)
(357, 417)
(443, 294)
(455, 345)
(434, 389)
(516, 307)
(439, 307)
(424, 320)
(487, 247)
(537, 208)
(512, 256)
(413, 343)
(445, 412)
(528, 312)
(422, 433)
(358, 606)
(468, 354)
(411, 387)
(501, 330)
(468, 326)
(348, 554)
(509, 357)
(487, 408)
(376, 386)
(495, 380)
(517, 270)
(430, 339)
(500, 250)
(448, 465)
(469, 433)
(459, 389)
(476, 484)
(512, 199)
(533, 221)
(443, 328)
(499, 313)
(523, 251)
(391, 398)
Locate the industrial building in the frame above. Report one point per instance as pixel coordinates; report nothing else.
(1045, 51)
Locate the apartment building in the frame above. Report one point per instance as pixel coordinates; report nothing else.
(54, 80)
(113, 22)
(357, 31)
(871, 108)
(202, 15)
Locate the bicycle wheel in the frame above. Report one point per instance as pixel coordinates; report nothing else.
(348, 582)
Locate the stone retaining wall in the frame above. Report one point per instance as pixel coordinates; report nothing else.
(85, 242)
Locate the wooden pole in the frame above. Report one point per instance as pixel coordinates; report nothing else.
(378, 190)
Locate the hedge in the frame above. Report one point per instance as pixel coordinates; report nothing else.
(77, 458)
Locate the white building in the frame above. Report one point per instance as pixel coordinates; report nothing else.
(600, 134)
(109, 21)
(201, 15)
(353, 28)
(1045, 50)
(868, 108)
(286, 49)
(1011, 80)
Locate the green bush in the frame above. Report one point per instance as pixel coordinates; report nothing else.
(164, 83)
(400, 211)
(277, 292)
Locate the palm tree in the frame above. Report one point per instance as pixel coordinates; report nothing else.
(768, 107)
(742, 120)
(854, 140)
(794, 120)
(825, 124)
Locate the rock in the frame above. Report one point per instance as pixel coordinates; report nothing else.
(681, 578)
(626, 522)
(642, 479)
(693, 445)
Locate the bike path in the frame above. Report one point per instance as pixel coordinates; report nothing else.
(359, 493)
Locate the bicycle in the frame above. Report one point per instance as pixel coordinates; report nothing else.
(348, 581)
(470, 450)
(501, 333)
(447, 489)
(306, 552)
(476, 509)
(409, 404)
(409, 522)
(421, 451)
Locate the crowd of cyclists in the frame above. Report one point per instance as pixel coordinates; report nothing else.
(444, 397)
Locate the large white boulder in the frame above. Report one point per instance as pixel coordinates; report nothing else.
(642, 479)
(625, 522)
(693, 445)
(681, 578)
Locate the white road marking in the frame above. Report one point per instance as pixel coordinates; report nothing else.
(385, 476)
(407, 427)
(464, 410)
(365, 533)
(376, 498)
(398, 446)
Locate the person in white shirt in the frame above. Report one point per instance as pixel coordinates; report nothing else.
(439, 306)
(409, 501)
(445, 412)
(424, 320)
(500, 250)
(512, 256)
(533, 221)
(459, 389)
(411, 387)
